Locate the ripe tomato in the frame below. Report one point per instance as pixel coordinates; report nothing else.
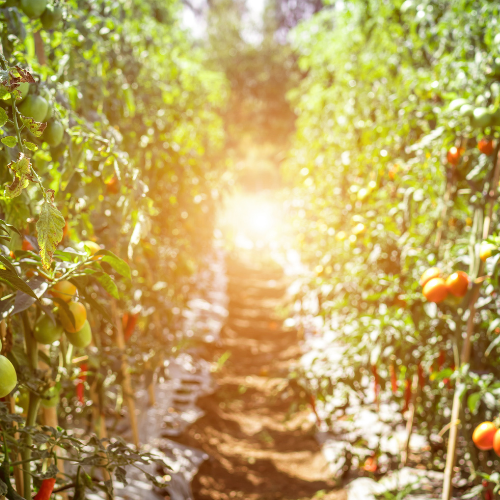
(486, 250)
(433, 272)
(33, 8)
(8, 377)
(79, 314)
(435, 290)
(34, 106)
(50, 398)
(81, 338)
(46, 332)
(54, 133)
(458, 283)
(486, 146)
(483, 435)
(453, 155)
(496, 443)
(27, 246)
(64, 290)
(113, 185)
(51, 17)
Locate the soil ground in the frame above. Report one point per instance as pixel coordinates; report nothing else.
(260, 447)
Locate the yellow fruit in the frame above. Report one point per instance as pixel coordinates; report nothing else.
(79, 314)
(64, 290)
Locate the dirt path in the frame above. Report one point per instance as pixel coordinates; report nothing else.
(259, 448)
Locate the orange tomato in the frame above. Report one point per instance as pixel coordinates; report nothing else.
(433, 272)
(486, 250)
(458, 283)
(113, 185)
(485, 146)
(79, 314)
(435, 290)
(484, 435)
(496, 443)
(27, 246)
(453, 155)
(64, 290)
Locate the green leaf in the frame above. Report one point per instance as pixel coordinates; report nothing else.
(16, 282)
(10, 141)
(108, 284)
(50, 227)
(115, 262)
(3, 117)
(31, 146)
(473, 401)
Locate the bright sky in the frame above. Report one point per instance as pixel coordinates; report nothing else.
(196, 24)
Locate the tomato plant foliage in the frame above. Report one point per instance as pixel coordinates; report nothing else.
(378, 203)
(111, 138)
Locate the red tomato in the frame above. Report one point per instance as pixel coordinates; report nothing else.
(453, 155)
(484, 435)
(486, 146)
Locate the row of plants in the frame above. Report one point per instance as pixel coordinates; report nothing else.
(394, 174)
(110, 147)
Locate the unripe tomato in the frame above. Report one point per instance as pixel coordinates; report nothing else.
(51, 17)
(435, 290)
(483, 435)
(496, 443)
(79, 314)
(486, 250)
(50, 398)
(453, 155)
(81, 338)
(433, 272)
(458, 283)
(8, 377)
(54, 133)
(24, 88)
(23, 400)
(34, 106)
(46, 332)
(64, 290)
(33, 8)
(485, 146)
(50, 111)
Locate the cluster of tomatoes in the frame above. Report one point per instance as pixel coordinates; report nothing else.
(436, 288)
(485, 145)
(487, 437)
(49, 15)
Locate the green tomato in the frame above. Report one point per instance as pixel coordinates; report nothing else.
(46, 332)
(50, 398)
(54, 133)
(33, 8)
(50, 112)
(81, 338)
(24, 88)
(481, 117)
(8, 377)
(467, 110)
(51, 17)
(34, 106)
(456, 104)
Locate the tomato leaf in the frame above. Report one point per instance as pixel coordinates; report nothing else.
(3, 117)
(16, 282)
(473, 401)
(36, 128)
(22, 172)
(108, 284)
(10, 141)
(115, 262)
(50, 227)
(31, 146)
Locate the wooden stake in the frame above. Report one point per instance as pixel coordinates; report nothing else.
(409, 422)
(128, 395)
